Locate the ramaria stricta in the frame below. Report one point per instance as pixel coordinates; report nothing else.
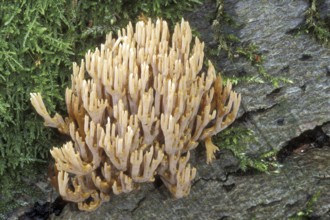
(145, 103)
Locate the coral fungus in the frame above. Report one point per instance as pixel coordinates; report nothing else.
(145, 104)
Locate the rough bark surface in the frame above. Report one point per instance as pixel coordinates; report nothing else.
(281, 117)
(281, 114)
(257, 196)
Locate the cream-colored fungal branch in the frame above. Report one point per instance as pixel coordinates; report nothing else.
(136, 107)
(55, 122)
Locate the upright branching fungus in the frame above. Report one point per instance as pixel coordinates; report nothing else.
(145, 105)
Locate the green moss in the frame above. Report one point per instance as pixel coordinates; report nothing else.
(237, 139)
(316, 26)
